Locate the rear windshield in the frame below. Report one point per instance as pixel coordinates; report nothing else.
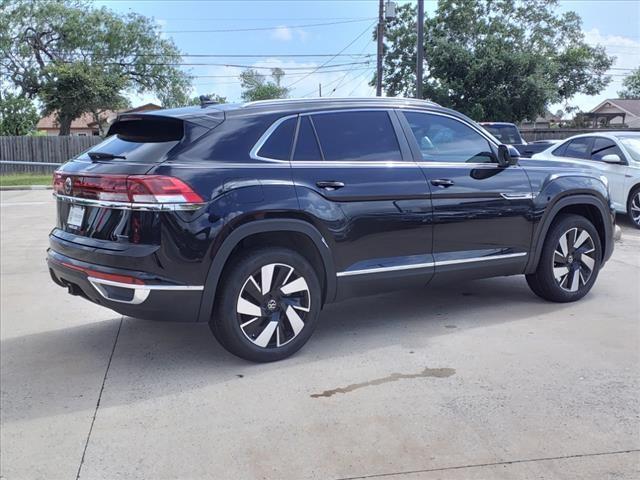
(138, 152)
(505, 133)
(139, 139)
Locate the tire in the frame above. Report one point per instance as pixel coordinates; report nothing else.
(633, 207)
(570, 260)
(266, 322)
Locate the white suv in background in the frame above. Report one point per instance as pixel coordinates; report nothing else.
(616, 155)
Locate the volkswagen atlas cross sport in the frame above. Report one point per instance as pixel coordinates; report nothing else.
(252, 217)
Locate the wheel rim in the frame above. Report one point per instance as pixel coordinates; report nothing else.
(574, 259)
(635, 208)
(273, 305)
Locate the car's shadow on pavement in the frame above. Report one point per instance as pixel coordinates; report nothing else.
(61, 371)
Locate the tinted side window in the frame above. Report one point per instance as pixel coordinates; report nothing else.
(443, 139)
(278, 145)
(559, 152)
(604, 146)
(355, 135)
(306, 145)
(579, 148)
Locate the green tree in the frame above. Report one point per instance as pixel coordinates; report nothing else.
(60, 50)
(495, 59)
(255, 86)
(18, 115)
(631, 85)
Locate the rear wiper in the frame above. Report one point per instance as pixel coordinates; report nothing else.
(104, 156)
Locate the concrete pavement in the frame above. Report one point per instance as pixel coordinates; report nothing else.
(481, 380)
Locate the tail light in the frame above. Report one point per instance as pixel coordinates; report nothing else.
(150, 189)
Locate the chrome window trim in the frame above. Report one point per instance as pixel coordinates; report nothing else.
(253, 153)
(367, 271)
(155, 207)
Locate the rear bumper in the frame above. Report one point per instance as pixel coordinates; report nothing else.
(132, 293)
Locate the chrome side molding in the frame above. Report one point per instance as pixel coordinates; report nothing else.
(394, 268)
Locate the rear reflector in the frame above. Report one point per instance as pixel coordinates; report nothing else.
(125, 188)
(104, 276)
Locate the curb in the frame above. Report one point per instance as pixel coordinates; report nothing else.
(25, 187)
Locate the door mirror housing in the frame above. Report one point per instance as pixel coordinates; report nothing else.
(612, 158)
(507, 155)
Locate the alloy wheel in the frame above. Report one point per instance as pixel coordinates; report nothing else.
(574, 259)
(635, 208)
(272, 305)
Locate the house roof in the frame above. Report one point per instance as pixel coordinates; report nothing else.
(87, 121)
(50, 122)
(628, 105)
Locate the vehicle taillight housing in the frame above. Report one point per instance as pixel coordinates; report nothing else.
(125, 188)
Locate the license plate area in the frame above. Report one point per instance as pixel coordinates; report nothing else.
(75, 216)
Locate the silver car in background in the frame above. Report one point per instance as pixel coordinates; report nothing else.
(616, 155)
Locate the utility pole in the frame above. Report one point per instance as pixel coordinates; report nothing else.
(380, 46)
(420, 49)
(319, 89)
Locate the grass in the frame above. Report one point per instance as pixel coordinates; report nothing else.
(25, 179)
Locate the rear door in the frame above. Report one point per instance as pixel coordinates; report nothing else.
(356, 177)
(482, 211)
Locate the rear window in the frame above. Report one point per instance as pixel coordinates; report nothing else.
(278, 145)
(138, 152)
(139, 139)
(505, 133)
(364, 136)
(579, 148)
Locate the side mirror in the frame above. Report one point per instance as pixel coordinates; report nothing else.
(507, 155)
(612, 158)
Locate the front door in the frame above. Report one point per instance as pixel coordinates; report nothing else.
(357, 179)
(482, 211)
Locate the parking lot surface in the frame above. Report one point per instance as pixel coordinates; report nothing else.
(473, 381)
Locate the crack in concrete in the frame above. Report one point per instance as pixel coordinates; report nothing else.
(394, 377)
(95, 412)
(492, 464)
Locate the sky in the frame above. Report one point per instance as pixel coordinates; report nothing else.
(285, 30)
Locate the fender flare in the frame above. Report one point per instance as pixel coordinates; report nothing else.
(264, 226)
(550, 215)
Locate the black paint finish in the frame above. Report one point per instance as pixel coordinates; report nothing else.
(408, 221)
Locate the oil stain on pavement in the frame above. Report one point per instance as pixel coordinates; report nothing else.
(394, 377)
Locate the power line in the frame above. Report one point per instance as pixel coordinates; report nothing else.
(288, 75)
(268, 19)
(277, 27)
(345, 75)
(341, 51)
(232, 65)
(233, 55)
(357, 85)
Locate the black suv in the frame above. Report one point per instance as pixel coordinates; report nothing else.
(252, 217)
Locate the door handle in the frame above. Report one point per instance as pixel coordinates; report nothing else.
(442, 182)
(330, 184)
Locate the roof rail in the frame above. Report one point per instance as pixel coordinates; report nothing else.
(394, 100)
